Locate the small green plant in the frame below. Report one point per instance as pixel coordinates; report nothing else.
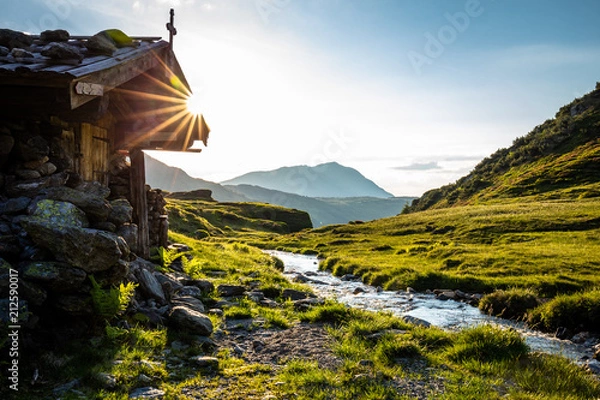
(512, 303)
(330, 312)
(111, 302)
(579, 311)
(486, 343)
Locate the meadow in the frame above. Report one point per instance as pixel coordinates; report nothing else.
(380, 356)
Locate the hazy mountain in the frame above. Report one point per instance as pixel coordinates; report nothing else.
(324, 180)
(557, 159)
(172, 179)
(325, 211)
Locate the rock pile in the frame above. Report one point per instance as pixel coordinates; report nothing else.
(56, 229)
(58, 46)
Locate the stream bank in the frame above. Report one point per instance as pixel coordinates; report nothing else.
(425, 308)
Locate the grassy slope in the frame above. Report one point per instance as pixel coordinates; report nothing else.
(479, 363)
(558, 159)
(201, 218)
(552, 246)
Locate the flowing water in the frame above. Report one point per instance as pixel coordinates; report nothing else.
(426, 307)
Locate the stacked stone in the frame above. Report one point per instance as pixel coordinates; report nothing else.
(158, 224)
(56, 229)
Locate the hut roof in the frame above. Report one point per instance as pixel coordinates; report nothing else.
(55, 74)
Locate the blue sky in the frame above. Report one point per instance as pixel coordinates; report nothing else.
(413, 93)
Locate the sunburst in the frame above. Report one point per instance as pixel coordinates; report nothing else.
(179, 106)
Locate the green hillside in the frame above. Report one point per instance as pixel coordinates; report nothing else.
(552, 247)
(557, 159)
(195, 214)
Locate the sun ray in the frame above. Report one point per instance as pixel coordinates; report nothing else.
(180, 127)
(159, 111)
(163, 85)
(160, 126)
(171, 74)
(151, 96)
(188, 134)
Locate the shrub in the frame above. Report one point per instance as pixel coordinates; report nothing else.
(391, 349)
(330, 312)
(579, 311)
(511, 303)
(486, 343)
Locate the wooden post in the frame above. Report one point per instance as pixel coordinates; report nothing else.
(137, 182)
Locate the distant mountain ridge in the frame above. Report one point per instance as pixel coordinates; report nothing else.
(328, 210)
(322, 211)
(324, 180)
(173, 179)
(557, 159)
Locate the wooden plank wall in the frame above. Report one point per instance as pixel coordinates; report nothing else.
(94, 150)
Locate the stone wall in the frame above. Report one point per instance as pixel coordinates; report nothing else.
(56, 229)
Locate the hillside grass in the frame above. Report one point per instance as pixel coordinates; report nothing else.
(551, 247)
(379, 352)
(202, 219)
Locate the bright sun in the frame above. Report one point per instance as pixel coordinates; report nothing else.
(193, 105)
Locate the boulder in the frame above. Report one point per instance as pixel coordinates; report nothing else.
(129, 232)
(96, 207)
(33, 188)
(190, 302)
(58, 35)
(114, 275)
(193, 321)
(168, 280)
(15, 205)
(150, 285)
(99, 44)
(204, 285)
(76, 305)
(293, 294)
(27, 174)
(12, 39)
(147, 393)
(94, 188)
(205, 361)
(33, 149)
(6, 145)
(35, 164)
(191, 291)
(230, 290)
(121, 212)
(61, 51)
(56, 276)
(47, 169)
(89, 249)
(4, 51)
(59, 213)
(446, 295)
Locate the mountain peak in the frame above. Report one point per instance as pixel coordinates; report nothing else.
(330, 179)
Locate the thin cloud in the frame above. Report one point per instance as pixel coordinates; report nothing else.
(419, 166)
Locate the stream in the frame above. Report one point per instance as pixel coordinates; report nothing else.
(446, 314)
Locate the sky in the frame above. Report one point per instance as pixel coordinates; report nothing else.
(412, 93)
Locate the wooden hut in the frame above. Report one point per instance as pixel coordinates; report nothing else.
(106, 95)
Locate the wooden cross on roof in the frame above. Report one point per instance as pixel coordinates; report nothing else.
(171, 27)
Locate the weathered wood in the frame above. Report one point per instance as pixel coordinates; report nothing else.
(139, 201)
(89, 112)
(114, 73)
(93, 163)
